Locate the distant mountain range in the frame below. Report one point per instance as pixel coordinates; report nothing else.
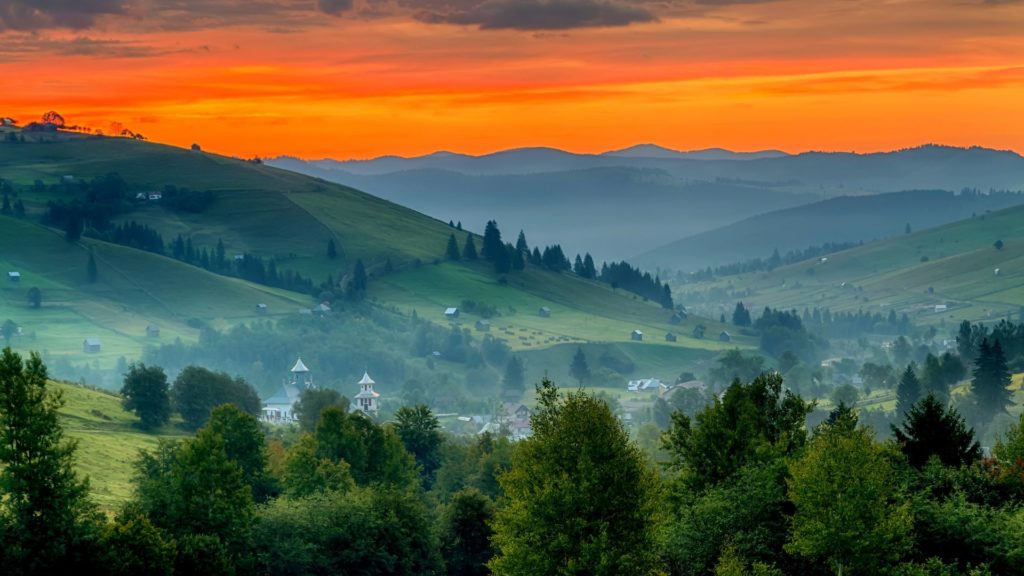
(627, 202)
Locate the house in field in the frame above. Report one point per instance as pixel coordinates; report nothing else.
(451, 313)
(941, 307)
(544, 312)
(152, 331)
(366, 399)
(92, 346)
(261, 308)
(670, 337)
(724, 336)
(14, 276)
(637, 335)
(483, 325)
(677, 317)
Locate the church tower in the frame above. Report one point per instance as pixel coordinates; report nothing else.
(301, 378)
(366, 400)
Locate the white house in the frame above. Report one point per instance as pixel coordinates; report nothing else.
(644, 385)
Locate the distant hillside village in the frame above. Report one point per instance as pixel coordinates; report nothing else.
(512, 420)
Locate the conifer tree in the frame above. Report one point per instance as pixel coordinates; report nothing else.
(492, 246)
(589, 271)
(469, 251)
(931, 430)
(579, 368)
(908, 392)
(521, 244)
(332, 250)
(991, 380)
(452, 251)
(518, 262)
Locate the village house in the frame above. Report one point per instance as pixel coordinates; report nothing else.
(483, 325)
(92, 346)
(544, 312)
(14, 276)
(637, 335)
(451, 313)
(152, 331)
(644, 385)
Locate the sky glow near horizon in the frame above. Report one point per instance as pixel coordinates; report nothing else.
(344, 79)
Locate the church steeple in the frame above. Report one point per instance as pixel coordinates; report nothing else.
(301, 377)
(366, 400)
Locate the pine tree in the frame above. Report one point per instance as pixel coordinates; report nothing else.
(332, 250)
(91, 274)
(579, 368)
(452, 251)
(521, 244)
(577, 266)
(741, 316)
(589, 272)
(357, 285)
(503, 259)
(515, 379)
(492, 246)
(518, 262)
(931, 430)
(6, 208)
(221, 257)
(469, 252)
(991, 380)
(908, 392)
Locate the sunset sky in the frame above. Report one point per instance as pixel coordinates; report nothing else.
(361, 78)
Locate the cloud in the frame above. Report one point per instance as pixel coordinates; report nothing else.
(541, 14)
(40, 14)
(334, 7)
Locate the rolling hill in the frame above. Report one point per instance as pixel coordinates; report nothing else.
(838, 220)
(286, 218)
(940, 276)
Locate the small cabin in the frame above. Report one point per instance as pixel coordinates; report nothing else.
(91, 345)
(152, 331)
(14, 276)
(941, 307)
(451, 313)
(670, 337)
(483, 325)
(677, 317)
(724, 336)
(544, 312)
(261, 308)
(636, 335)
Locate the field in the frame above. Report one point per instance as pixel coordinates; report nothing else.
(955, 267)
(108, 443)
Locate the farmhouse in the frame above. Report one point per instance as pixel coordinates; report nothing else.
(483, 325)
(637, 335)
(941, 307)
(724, 336)
(644, 385)
(544, 312)
(670, 337)
(14, 276)
(451, 313)
(152, 331)
(91, 345)
(677, 317)
(261, 308)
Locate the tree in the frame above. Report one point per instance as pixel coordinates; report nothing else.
(312, 402)
(244, 445)
(132, 545)
(452, 252)
(990, 385)
(931, 430)
(53, 117)
(998, 244)
(73, 226)
(8, 330)
(146, 393)
(787, 361)
(515, 378)
(46, 517)
(91, 274)
(332, 250)
(908, 392)
(420, 432)
(466, 533)
(197, 391)
(741, 316)
(35, 297)
(603, 522)
(469, 251)
(749, 422)
(6, 208)
(847, 511)
(492, 246)
(521, 245)
(579, 369)
(357, 285)
(846, 394)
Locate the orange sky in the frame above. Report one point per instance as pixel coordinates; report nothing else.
(271, 77)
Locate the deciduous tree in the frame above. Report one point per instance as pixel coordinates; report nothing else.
(146, 393)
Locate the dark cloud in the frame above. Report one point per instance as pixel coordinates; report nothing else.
(40, 14)
(27, 46)
(334, 7)
(539, 14)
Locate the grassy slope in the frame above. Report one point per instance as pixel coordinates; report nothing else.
(108, 442)
(890, 274)
(133, 289)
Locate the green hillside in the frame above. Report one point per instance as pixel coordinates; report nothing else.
(108, 442)
(953, 266)
(287, 219)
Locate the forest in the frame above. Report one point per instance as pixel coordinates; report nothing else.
(743, 486)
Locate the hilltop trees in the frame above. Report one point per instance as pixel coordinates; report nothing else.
(197, 391)
(452, 251)
(603, 522)
(469, 251)
(146, 393)
(741, 316)
(45, 515)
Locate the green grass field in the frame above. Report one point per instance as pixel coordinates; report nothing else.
(108, 442)
(952, 265)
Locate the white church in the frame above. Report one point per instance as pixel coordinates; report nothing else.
(281, 406)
